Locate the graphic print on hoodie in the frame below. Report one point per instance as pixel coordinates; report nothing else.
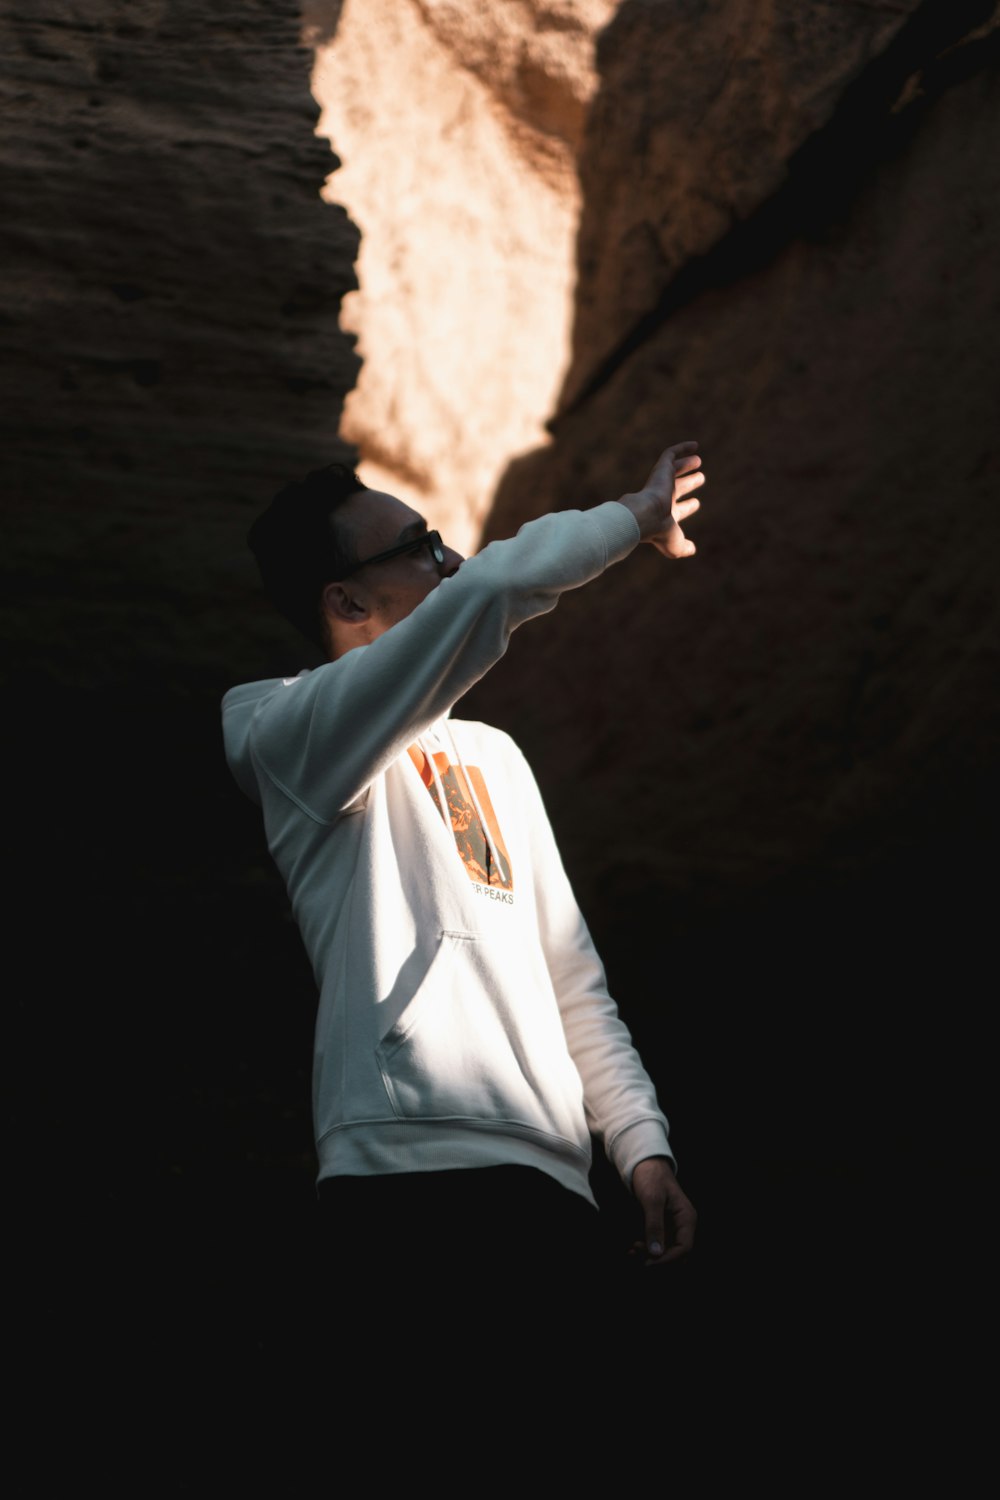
(482, 851)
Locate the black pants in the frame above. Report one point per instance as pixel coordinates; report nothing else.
(458, 1233)
(499, 1263)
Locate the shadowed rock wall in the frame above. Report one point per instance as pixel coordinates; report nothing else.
(769, 768)
(772, 767)
(170, 354)
(835, 353)
(169, 334)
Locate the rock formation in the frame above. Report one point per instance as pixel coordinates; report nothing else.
(459, 129)
(807, 710)
(171, 289)
(785, 226)
(771, 768)
(833, 348)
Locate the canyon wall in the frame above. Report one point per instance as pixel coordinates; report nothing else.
(459, 130)
(170, 344)
(587, 230)
(783, 224)
(772, 767)
(823, 320)
(171, 354)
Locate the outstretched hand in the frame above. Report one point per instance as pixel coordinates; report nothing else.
(669, 1216)
(662, 503)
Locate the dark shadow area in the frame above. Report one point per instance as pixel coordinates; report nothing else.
(170, 354)
(810, 1007)
(771, 771)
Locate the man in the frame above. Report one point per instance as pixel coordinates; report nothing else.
(465, 1041)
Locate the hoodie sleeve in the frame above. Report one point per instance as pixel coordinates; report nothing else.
(618, 1094)
(323, 737)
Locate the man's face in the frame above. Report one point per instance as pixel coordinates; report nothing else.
(392, 589)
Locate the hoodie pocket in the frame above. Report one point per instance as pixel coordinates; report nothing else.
(462, 1050)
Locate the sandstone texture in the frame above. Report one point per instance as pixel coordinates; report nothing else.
(458, 128)
(807, 709)
(171, 354)
(822, 668)
(577, 232)
(172, 280)
(700, 108)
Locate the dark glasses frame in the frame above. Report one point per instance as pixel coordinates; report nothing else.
(430, 539)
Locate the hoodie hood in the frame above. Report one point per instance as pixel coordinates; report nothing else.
(238, 709)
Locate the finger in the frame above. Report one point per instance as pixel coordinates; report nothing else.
(666, 466)
(685, 1220)
(682, 458)
(688, 482)
(654, 1232)
(687, 465)
(678, 1250)
(685, 508)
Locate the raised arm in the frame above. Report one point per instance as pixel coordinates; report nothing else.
(323, 737)
(326, 735)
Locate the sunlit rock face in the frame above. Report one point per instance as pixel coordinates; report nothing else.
(458, 127)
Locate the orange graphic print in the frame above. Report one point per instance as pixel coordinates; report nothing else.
(470, 839)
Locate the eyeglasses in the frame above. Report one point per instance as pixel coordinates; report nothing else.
(429, 539)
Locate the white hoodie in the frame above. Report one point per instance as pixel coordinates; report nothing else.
(464, 1019)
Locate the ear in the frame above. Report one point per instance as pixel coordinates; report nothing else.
(341, 602)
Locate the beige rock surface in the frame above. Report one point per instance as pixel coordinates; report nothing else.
(535, 56)
(458, 128)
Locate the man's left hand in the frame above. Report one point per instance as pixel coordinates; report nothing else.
(668, 1214)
